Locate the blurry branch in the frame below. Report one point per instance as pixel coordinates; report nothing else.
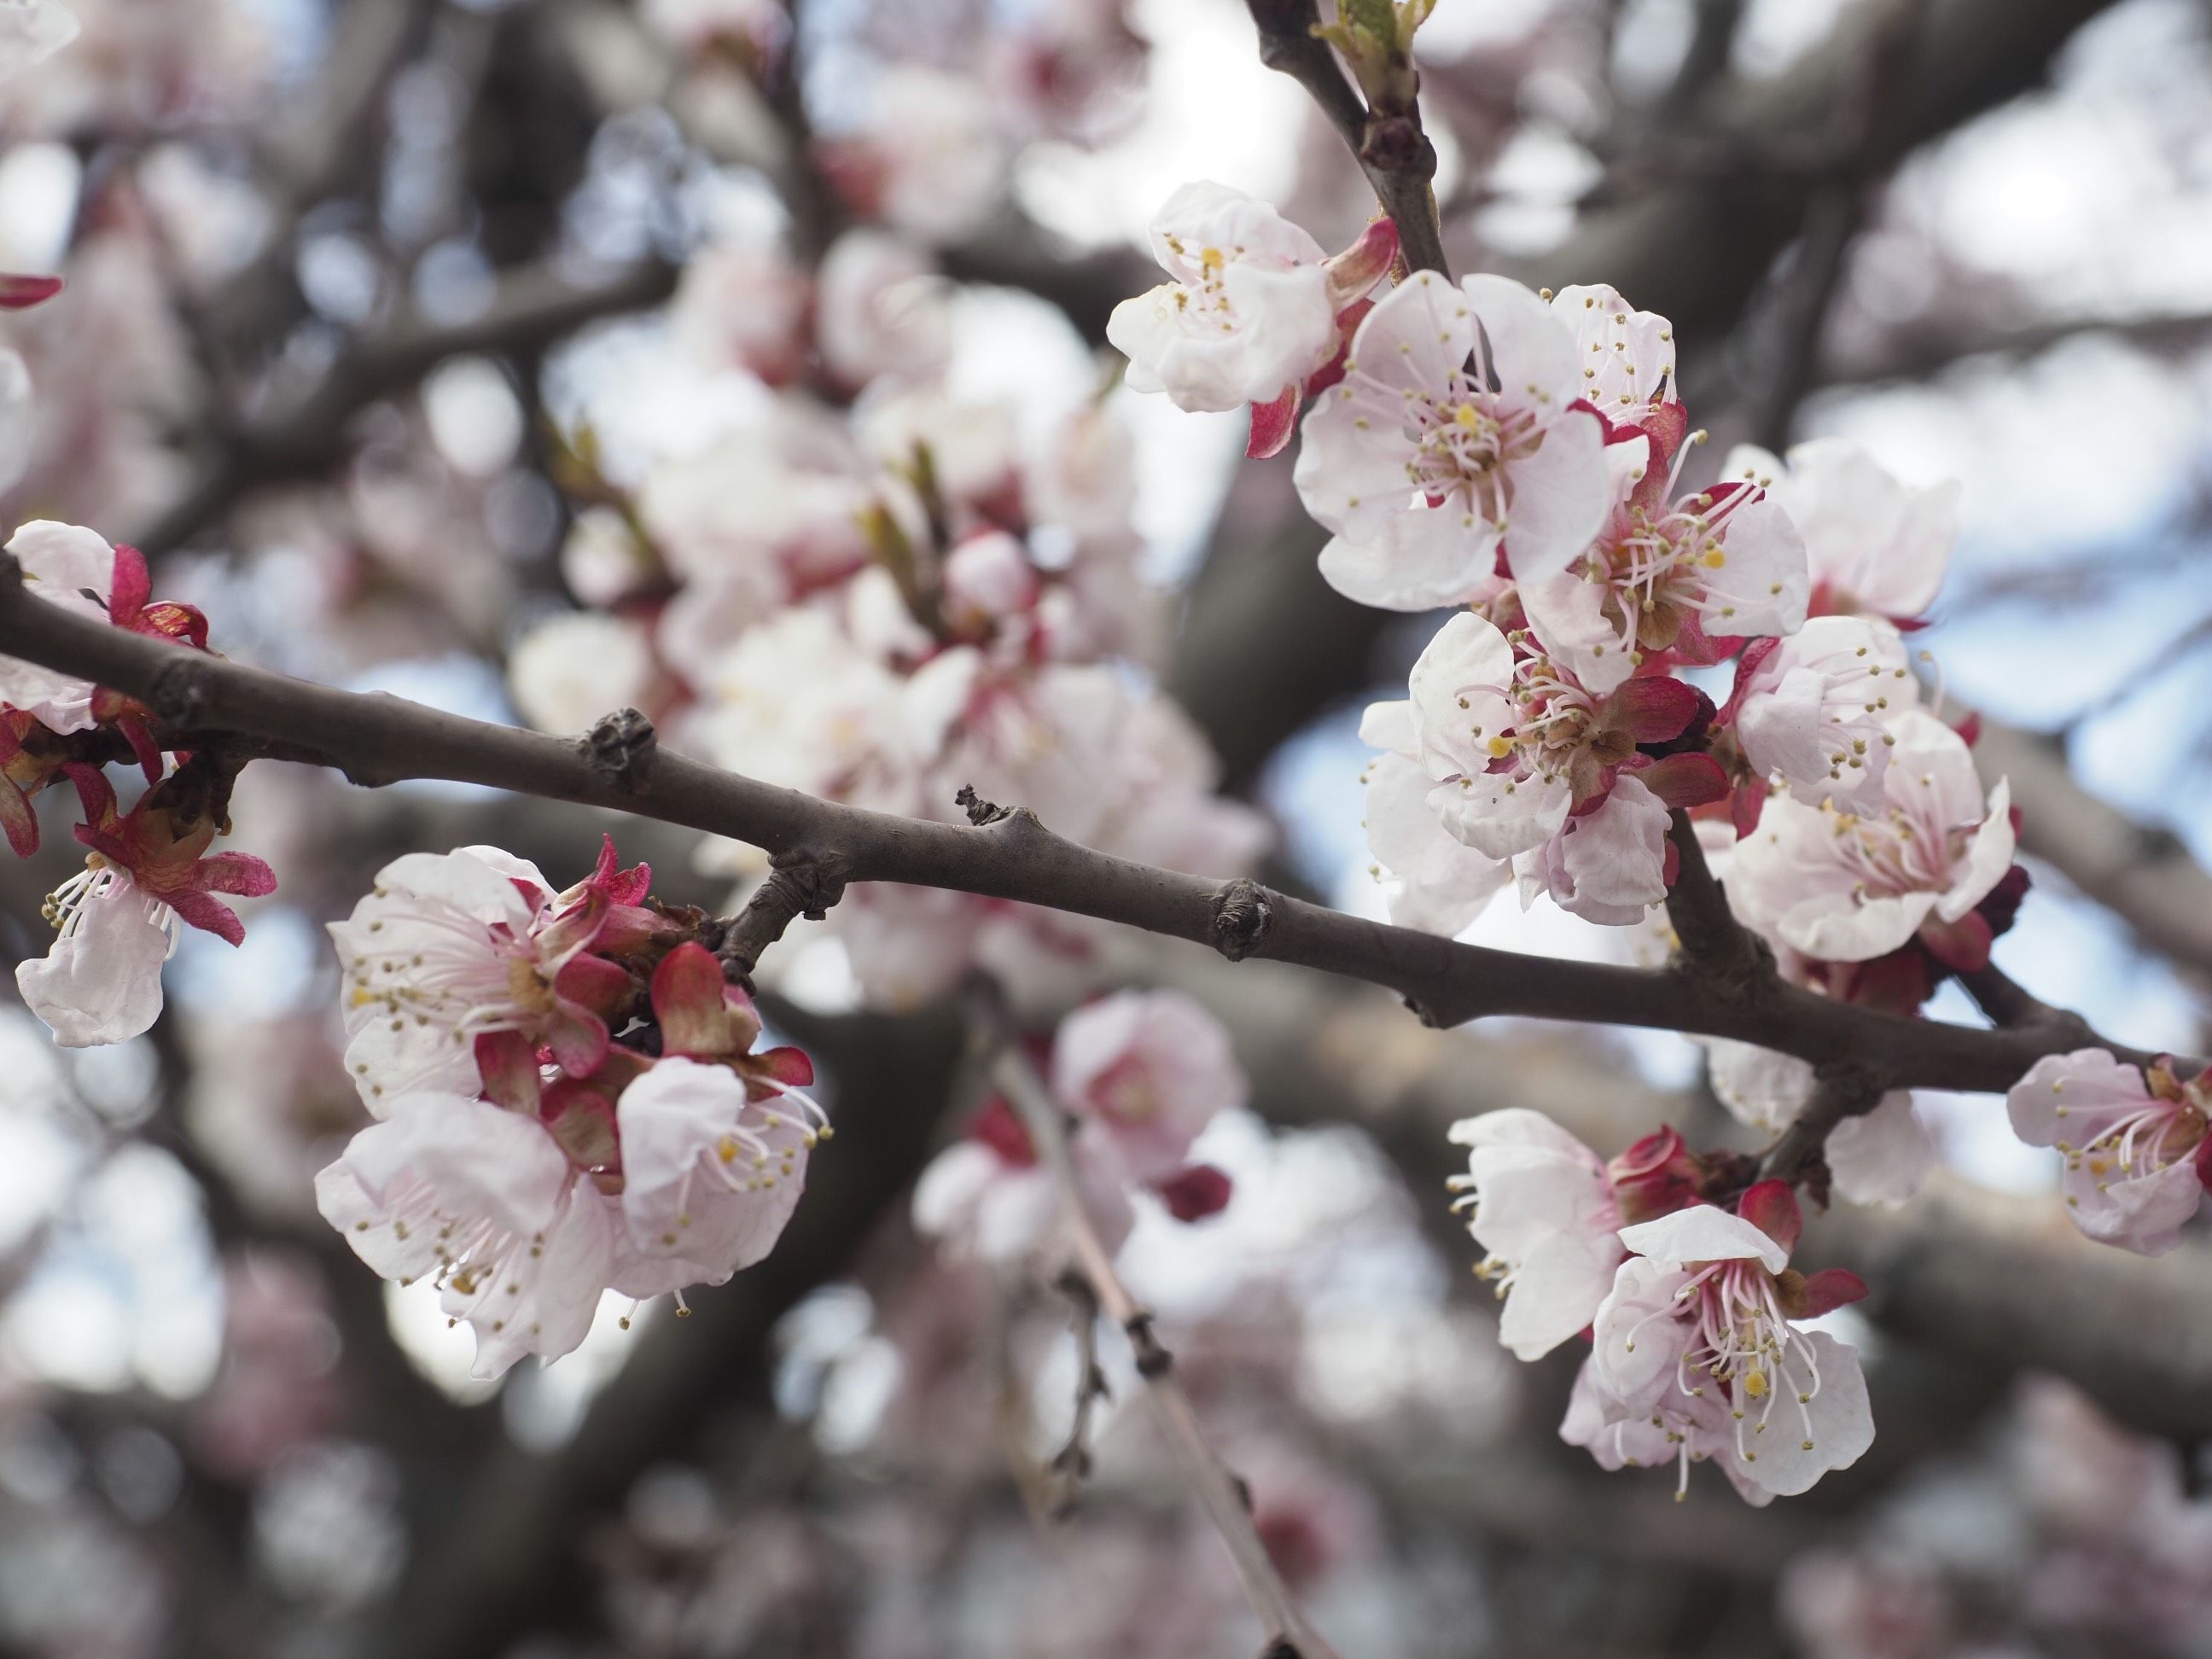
(1802, 308)
(1384, 134)
(322, 144)
(1694, 245)
(1915, 351)
(534, 306)
(379, 740)
(1712, 39)
(2145, 876)
(1287, 1633)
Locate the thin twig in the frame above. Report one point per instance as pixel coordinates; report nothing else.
(1288, 1634)
(1391, 148)
(379, 739)
(1839, 1092)
(1713, 944)
(1071, 1463)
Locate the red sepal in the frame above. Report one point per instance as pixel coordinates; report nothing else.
(1771, 1206)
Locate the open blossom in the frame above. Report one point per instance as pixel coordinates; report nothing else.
(1522, 760)
(1840, 886)
(484, 1199)
(744, 308)
(1702, 1314)
(1881, 1157)
(2138, 1157)
(932, 161)
(988, 1196)
(1255, 311)
(449, 947)
(1874, 546)
(1147, 1071)
(1548, 1212)
(148, 873)
(1813, 710)
(1454, 434)
(1688, 576)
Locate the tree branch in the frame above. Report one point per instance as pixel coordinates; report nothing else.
(377, 739)
(1387, 141)
(1288, 1634)
(1840, 1091)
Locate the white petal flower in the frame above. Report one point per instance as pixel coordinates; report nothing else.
(1248, 313)
(2133, 1144)
(100, 980)
(1423, 470)
(1842, 888)
(1881, 1156)
(569, 669)
(1150, 1069)
(1814, 710)
(1541, 1204)
(1874, 545)
(485, 1199)
(1608, 866)
(710, 1178)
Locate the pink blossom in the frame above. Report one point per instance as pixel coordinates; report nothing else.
(1813, 709)
(2135, 1143)
(486, 1200)
(1874, 546)
(880, 309)
(744, 308)
(988, 1197)
(1424, 472)
(1145, 1071)
(1840, 887)
(450, 947)
(1703, 1311)
(1549, 1212)
(1688, 576)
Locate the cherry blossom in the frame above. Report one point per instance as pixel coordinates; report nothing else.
(449, 947)
(1147, 1071)
(1704, 1311)
(73, 567)
(1688, 576)
(484, 1199)
(880, 308)
(1549, 1212)
(931, 159)
(1255, 312)
(744, 308)
(1842, 887)
(1626, 355)
(1813, 710)
(571, 669)
(1874, 546)
(2138, 1157)
(1453, 436)
(1522, 760)
(147, 873)
(986, 1196)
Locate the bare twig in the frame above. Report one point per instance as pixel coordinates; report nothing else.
(1288, 1634)
(381, 740)
(1071, 1463)
(1713, 944)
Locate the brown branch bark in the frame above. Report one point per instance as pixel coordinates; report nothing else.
(379, 739)
(1288, 1634)
(1392, 149)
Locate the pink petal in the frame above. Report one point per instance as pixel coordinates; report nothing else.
(132, 587)
(1771, 1206)
(239, 873)
(17, 291)
(1273, 425)
(210, 917)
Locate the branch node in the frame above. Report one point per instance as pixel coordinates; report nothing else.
(980, 811)
(1152, 1359)
(1242, 915)
(620, 748)
(802, 881)
(1395, 143)
(182, 691)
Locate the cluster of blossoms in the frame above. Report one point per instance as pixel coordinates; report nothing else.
(1692, 1307)
(1519, 458)
(147, 872)
(568, 1099)
(883, 601)
(1141, 1073)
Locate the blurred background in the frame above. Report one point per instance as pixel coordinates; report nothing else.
(387, 324)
